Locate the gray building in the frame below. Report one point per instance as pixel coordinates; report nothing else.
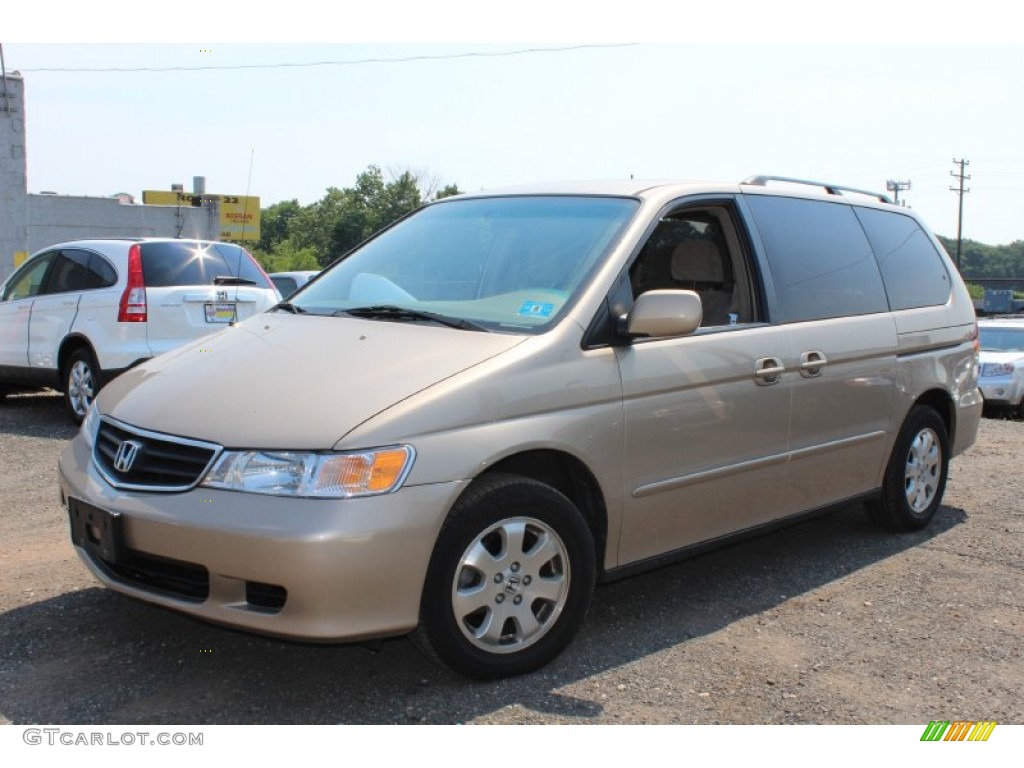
(29, 222)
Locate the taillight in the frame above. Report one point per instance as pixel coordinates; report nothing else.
(133, 307)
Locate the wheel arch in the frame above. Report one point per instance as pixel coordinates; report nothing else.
(71, 343)
(570, 477)
(940, 402)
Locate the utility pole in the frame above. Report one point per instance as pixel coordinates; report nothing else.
(896, 187)
(960, 193)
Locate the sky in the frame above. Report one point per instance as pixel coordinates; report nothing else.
(713, 94)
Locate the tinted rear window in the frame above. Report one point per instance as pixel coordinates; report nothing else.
(187, 262)
(820, 259)
(912, 269)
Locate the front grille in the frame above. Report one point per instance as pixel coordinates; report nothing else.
(160, 462)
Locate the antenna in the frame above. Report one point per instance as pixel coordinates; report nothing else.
(248, 186)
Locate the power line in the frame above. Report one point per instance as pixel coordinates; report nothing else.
(342, 63)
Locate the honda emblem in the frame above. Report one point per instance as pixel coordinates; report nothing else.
(126, 454)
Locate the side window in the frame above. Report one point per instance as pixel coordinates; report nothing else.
(697, 249)
(913, 271)
(28, 281)
(286, 286)
(101, 272)
(70, 272)
(820, 259)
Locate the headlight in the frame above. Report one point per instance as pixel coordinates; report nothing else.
(90, 424)
(997, 369)
(320, 475)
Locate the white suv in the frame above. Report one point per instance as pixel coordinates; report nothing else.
(79, 313)
(1002, 363)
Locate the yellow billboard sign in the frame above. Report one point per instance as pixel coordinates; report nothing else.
(239, 215)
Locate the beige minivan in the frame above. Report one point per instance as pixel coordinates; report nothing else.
(505, 398)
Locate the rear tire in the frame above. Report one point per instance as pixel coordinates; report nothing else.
(915, 477)
(81, 379)
(510, 579)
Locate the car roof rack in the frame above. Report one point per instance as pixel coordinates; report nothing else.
(832, 189)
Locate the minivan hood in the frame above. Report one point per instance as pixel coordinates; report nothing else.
(292, 381)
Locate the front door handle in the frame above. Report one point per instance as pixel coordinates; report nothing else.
(767, 370)
(811, 363)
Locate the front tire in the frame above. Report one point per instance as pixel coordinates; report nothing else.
(915, 478)
(510, 579)
(81, 383)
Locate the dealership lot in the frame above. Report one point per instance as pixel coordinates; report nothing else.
(829, 621)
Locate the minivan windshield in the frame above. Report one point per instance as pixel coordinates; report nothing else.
(501, 264)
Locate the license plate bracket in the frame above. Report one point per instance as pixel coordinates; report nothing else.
(97, 531)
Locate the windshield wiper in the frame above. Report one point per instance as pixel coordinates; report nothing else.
(392, 312)
(287, 306)
(232, 280)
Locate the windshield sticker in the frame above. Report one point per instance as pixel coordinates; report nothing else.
(536, 309)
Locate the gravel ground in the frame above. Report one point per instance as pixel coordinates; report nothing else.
(829, 621)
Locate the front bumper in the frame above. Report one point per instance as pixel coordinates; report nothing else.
(336, 570)
(1002, 391)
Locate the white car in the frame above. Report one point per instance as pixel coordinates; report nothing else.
(76, 314)
(1002, 363)
(288, 283)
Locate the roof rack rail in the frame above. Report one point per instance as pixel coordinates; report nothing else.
(832, 189)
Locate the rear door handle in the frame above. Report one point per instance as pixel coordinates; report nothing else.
(767, 370)
(811, 363)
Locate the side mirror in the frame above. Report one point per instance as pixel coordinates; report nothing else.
(663, 313)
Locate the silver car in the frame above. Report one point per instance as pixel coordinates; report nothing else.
(1002, 364)
(506, 398)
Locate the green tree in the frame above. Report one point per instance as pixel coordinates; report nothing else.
(342, 218)
(286, 257)
(448, 191)
(313, 226)
(371, 205)
(275, 222)
(981, 260)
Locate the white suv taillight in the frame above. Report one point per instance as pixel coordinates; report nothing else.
(133, 307)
